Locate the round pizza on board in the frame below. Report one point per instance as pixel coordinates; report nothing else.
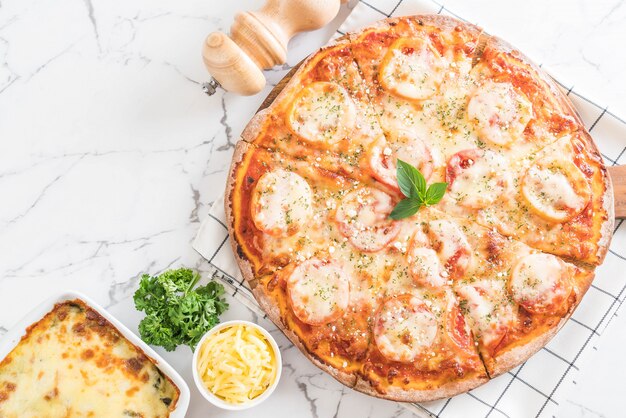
(439, 302)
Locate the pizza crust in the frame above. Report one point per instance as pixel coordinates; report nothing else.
(245, 266)
(504, 361)
(608, 226)
(403, 395)
(518, 355)
(441, 21)
(273, 313)
(608, 202)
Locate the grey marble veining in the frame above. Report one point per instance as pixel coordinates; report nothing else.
(111, 155)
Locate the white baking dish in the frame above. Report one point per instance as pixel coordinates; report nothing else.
(13, 337)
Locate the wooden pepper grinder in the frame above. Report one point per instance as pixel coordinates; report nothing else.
(258, 40)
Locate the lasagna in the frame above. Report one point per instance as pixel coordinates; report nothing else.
(74, 363)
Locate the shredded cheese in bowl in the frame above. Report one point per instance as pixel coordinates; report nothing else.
(237, 365)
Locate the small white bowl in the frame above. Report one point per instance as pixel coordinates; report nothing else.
(220, 402)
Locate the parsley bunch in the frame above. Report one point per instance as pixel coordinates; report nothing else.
(413, 185)
(176, 313)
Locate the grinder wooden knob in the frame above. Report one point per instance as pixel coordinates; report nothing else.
(258, 40)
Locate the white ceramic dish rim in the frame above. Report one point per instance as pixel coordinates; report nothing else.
(15, 334)
(219, 402)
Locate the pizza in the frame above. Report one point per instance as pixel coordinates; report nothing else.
(440, 302)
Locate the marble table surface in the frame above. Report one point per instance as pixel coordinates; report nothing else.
(110, 156)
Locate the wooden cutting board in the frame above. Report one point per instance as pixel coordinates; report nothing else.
(616, 173)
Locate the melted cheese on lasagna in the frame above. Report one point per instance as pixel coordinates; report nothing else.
(74, 363)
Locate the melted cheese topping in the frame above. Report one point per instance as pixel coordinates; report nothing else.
(319, 291)
(399, 115)
(479, 180)
(405, 328)
(237, 363)
(445, 121)
(323, 112)
(556, 191)
(425, 267)
(499, 112)
(73, 363)
(281, 202)
(451, 244)
(411, 69)
(405, 146)
(363, 217)
(539, 283)
(489, 309)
